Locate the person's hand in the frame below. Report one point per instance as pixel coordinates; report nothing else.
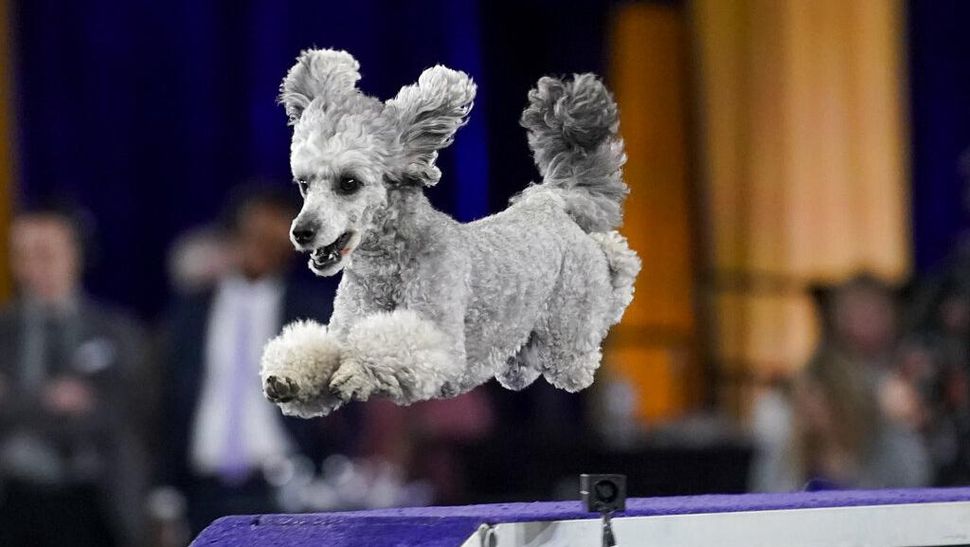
(900, 402)
(69, 396)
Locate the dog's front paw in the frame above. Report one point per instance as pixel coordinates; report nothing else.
(352, 381)
(296, 369)
(286, 393)
(280, 389)
(398, 355)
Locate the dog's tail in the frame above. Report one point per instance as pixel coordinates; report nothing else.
(573, 132)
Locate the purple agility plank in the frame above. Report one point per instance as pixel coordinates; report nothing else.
(450, 526)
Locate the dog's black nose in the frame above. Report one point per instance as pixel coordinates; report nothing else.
(304, 234)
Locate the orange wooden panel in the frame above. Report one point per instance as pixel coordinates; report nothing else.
(7, 132)
(653, 347)
(649, 75)
(801, 113)
(659, 374)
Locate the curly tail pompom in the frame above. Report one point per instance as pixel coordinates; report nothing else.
(573, 129)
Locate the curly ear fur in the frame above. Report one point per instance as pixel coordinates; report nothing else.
(428, 114)
(318, 73)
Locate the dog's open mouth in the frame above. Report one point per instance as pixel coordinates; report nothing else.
(326, 257)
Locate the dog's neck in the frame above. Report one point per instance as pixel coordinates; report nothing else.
(398, 231)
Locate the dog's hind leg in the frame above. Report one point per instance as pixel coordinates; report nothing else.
(565, 355)
(573, 371)
(523, 368)
(569, 337)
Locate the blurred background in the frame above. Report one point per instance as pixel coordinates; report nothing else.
(800, 190)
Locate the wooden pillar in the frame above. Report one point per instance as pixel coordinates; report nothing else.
(804, 167)
(654, 347)
(7, 143)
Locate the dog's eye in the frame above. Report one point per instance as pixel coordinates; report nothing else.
(348, 185)
(304, 185)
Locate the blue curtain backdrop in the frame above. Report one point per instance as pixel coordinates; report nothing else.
(147, 112)
(939, 59)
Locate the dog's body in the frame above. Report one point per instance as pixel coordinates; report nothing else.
(429, 307)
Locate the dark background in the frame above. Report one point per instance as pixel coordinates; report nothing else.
(148, 113)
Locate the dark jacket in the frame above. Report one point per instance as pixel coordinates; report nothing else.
(183, 356)
(108, 353)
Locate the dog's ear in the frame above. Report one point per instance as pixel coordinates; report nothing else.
(325, 73)
(428, 114)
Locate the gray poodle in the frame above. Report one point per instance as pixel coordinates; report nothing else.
(429, 307)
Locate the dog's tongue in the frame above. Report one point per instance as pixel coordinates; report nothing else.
(344, 243)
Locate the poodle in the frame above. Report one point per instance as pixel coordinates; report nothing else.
(429, 307)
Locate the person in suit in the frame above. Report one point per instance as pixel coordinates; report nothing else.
(71, 456)
(221, 432)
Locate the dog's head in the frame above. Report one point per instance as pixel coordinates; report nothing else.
(349, 149)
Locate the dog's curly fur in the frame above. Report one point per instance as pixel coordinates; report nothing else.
(429, 307)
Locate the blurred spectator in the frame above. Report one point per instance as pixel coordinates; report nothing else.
(938, 359)
(222, 434)
(71, 461)
(852, 416)
(939, 363)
